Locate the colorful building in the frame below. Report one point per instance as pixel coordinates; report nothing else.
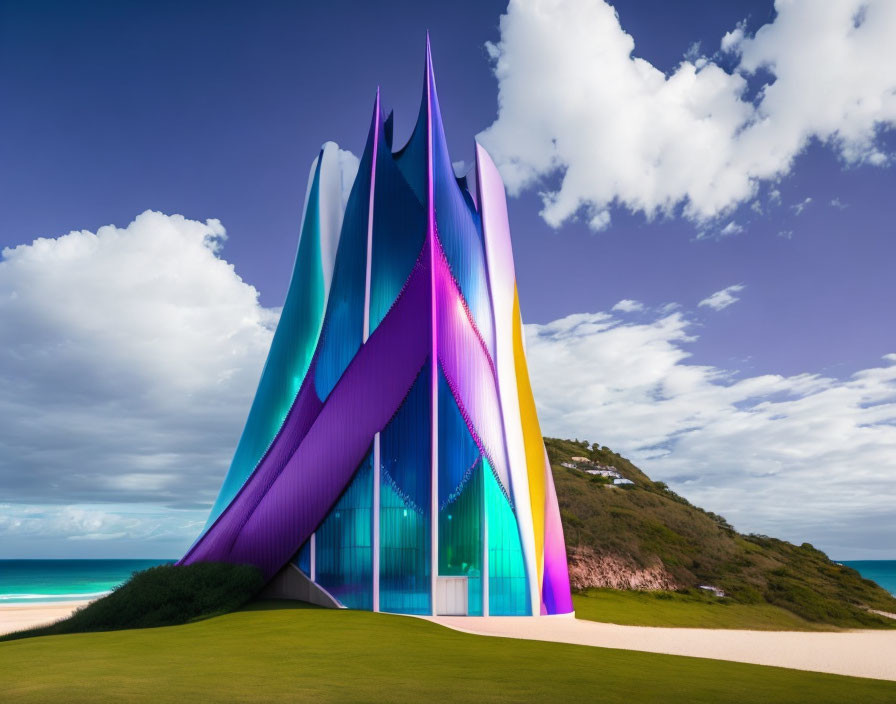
(392, 459)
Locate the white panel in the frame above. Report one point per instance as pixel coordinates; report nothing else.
(502, 283)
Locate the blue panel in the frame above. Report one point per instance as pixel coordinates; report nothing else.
(399, 229)
(412, 159)
(459, 229)
(507, 585)
(458, 453)
(289, 357)
(344, 323)
(303, 559)
(344, 543)
(405, 453)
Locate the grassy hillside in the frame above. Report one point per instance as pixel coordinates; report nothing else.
(645, 536)
(282, 652)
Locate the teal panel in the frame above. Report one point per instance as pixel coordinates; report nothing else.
(344, 543)
(290, 355)
(405, 454)
(507, 585)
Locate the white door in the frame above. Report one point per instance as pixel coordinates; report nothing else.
(451, 596)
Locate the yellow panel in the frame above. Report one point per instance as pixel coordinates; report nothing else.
(532, 438)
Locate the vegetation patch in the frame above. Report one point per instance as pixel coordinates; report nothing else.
(162, 596)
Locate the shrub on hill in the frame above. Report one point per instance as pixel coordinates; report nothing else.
(166, 595)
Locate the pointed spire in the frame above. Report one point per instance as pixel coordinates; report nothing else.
(414, 159)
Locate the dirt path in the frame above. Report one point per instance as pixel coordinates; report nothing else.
(863, 653)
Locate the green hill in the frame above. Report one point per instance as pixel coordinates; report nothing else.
(644, 536)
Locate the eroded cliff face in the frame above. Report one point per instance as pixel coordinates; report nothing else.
(589, 569)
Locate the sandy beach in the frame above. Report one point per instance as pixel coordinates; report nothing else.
(15, 617)
(860, 653)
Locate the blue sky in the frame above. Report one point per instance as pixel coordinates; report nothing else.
(774, 396)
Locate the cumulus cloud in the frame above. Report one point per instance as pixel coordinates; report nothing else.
(129, 360)
(627, 305)
(722, 299)
(805, 457)
(585, 120)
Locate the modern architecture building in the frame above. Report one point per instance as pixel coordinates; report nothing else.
(392, 459)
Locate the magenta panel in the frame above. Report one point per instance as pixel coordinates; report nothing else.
(469, 371)
(555, 595)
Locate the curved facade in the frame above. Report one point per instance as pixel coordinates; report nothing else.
(392, 453)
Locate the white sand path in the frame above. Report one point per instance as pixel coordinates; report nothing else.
(15, 617)
(864, 653)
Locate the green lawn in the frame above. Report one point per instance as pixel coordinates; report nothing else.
(633, 608)
(283, 652)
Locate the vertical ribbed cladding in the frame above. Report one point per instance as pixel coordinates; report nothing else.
(405, 512)
(458, 452)
(314, 456)
(459, 230)
(469, 372)
(502, 282)
(343, 327)
(555, 595)
(460, 500)
(343, 543)
(298, 330)
(509, 584)
(399, 229)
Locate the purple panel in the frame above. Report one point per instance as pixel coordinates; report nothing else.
(306, 469)
(468, 370)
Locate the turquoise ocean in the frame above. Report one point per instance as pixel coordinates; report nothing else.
(34, 581)
(881, 571)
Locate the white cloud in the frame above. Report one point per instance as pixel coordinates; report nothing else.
(129, 359)
(804, 457)
(627, 305)
(722, 299)
(802, 205)
(732, 228)
(585, 120)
